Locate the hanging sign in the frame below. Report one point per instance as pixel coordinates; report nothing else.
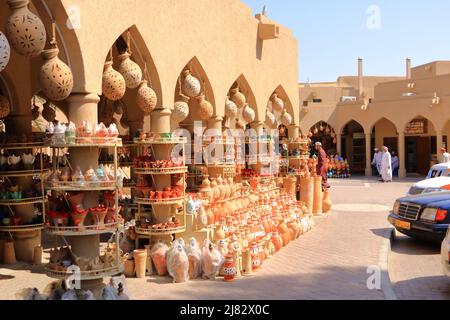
(418, 126)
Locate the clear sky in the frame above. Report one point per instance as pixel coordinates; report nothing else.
(332, 34)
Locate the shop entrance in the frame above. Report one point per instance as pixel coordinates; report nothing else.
(418, 155)
(354, 146)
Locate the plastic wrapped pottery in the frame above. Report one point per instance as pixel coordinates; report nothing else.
(55, 76)
(146, 98)
(113, 85)
(5, 51)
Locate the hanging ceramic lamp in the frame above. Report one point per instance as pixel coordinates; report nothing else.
(238, 98)
(5, 51)
(25, 30)
(130, 70)
(113, 83)
(190, 85)
(181, 109)
(271, 121)
(286, 119)
(205, 110)
(5, 107)
(248, 114)
(231, 110)
(49, 111)
(146, 98)
(277, 103)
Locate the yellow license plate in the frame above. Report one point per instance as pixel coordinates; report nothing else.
(403, 225)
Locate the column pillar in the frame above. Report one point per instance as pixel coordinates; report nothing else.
(339, 144)
(402, 155)
(215, 123)
(368, 155)
(294, 132)
(439, 144)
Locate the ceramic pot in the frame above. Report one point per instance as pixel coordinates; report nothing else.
(318, 196)
(5, 107)
(231, 110)
(307, 192)
(271, 121)
(205, 109)
(248, 114)
(25, 31)
(247, 263)
(9, 253)
(229, 269)
(99, 217)
(286, 119)
(190, 85)
(130, 70)
(327, 203)
(78, 219)
(238, 98)
(129, 268)
(256, 258)
(140, 261)
(181, 109)
(113, 83)
(37, 255)
(146, 98)
(55, 76)
(277, 103)
(277, 241)
(5, 51)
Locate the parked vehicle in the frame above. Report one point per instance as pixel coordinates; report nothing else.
(438, 179)
(445, 254)
(424, 217)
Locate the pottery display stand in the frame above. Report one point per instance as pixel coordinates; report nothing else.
(85, 243)
(160, 211)
(26, 235)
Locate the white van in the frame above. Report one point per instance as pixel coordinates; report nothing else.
(438, 179)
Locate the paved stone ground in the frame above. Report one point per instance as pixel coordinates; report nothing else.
(415, 270)
(330, 262)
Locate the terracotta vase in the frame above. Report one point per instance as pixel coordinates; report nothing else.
(248, 114)
(277, 241)
(238, 98)
(190, 85)
(9, 253)
(5, 107)
(99, 217)
(129, 268)
(318, 196)
(25, 30)
(231, 110)
(307, 193)
(205, 109)
(5, 51)
(55, 76)
(247, 269)
(277, 103)
(286, 119)
(146, 98)
(229, 269)
(327, 203)
(181, 109)
(78, 219)
(37, 255)
(290, 184)
(271, 120)
(140, 263)
(256, 258)
(130, 71)
(113, 83)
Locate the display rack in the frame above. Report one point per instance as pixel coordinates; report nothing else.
(72, 234)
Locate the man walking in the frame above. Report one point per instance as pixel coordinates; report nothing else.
(322, 165)
(395, 164)
(386, 166)
(376, 163)
(445, 155)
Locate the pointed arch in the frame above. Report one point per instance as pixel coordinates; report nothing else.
(383, 119)
(417, 117)
(287, 101)
(247, 90)
(352, 122)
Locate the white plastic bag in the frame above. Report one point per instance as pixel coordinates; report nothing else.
(212, 260)
(158, 254)
(195, 259)
(178, 263)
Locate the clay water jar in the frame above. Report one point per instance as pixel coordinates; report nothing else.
(247, 263)
(140, 263)
(129, 268)
(9, 254)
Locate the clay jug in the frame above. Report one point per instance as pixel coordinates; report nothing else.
(190, 85)
(277, 103)
(327, 203)
(248, 114)
(181, 109)
(25, 30)
(37, 257)
(238, 98)
(318, 196)
(247, 263)
(146, 98)
(205, 109)
(129, 268)
(140, 263)
(286, 119)
(9, 254)
(55, 76)
(130, 71)
(5, 51)
(113, 83)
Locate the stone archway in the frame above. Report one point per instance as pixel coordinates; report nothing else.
(354, 147)
(324, 133)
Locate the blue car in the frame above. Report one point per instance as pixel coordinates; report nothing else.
(425, 217)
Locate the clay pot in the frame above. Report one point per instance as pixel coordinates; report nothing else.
(277, 103)
(5, 107)
(286, 119)
(318, 196)
(248, 114)
(256, 258)
(55, 76)
(140, 263)
(129, 269)
(229, 268)
(219, 234)
(327, 203)
(271, 121)
(290, 184)
(99, 217)
(181, 109)
(205, 109)
(277, 241)
(247, 263)
(307, 193)
(231, 109)
(146, 98)
(25, 31)
(9, 253)
(37, 255)
(113, 83)
(5, 51)
(130, 71)
(238, 98)
(190, 85)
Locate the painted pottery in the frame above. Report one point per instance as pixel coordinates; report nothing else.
(229, 268)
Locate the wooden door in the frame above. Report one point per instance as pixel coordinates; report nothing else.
(392, 144)
(423, 155)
